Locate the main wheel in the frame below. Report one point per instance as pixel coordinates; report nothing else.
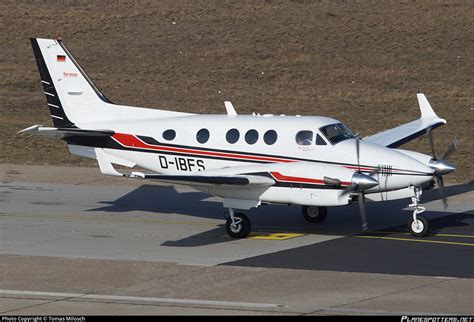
(314, 214)
(241, 227)
(419, 228)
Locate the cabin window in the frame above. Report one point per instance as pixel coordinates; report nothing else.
(304, 138)
(232, 136)
(202, 136)
(251, 136)
(169, 135)
(270, 137)
(320, 140)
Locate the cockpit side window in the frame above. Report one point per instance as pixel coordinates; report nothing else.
(304, 137)
(336, 133)
(320, 140)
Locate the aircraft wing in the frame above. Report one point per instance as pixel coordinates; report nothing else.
(208, 180)
(406, 132)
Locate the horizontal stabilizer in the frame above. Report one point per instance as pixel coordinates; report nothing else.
(61, 133)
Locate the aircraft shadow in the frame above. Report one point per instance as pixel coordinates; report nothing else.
(387, 216)
(162, 199)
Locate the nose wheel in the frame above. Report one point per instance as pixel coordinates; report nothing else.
(237, 225)
(417, 225)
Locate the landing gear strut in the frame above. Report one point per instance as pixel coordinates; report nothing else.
(417, 225)
(237, 225)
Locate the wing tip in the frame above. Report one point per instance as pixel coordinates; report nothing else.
(425, 108)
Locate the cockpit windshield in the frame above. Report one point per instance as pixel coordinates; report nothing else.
(336, 133)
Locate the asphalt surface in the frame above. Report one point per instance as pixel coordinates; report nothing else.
(73, 242)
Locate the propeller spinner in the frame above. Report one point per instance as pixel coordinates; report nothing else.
(360, 183)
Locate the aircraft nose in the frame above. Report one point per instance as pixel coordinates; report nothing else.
(441, 166)
(363, 181)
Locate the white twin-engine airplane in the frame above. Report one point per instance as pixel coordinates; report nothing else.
(247, 160)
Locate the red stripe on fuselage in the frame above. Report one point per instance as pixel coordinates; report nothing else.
(281, 177)
(132, 141)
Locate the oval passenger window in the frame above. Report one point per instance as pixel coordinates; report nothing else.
(169, 135)
(232, 136)
(270, 137)
(202, 136)
(251, 136)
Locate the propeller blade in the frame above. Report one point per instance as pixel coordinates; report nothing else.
(440, 183)
(358, 153)
(430, 137)
(363, 214)
(349, 189)
(452, 147)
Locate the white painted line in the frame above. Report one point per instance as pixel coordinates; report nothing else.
(53, 105)
(45, 82)
(445, 277)
(49, 94)
(57, 117)
(141, 299)
(383, 312)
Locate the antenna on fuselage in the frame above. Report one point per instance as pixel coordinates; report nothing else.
(230, 108)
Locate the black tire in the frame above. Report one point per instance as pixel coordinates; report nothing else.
(314, 214)
(422, 230)
(242, 229)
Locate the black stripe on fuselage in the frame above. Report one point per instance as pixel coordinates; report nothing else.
(153, 141)
(110, 143)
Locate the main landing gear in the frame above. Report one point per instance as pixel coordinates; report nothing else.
(237, 225)
(314, 214)
(417, 225)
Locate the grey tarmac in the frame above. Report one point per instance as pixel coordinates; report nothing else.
(75, 242)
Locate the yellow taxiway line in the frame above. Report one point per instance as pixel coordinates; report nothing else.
(433, 235)
(417, 240)
(256, 235)
(274, 236)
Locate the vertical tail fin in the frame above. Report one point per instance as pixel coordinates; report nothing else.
(71, 95)
(60, 120)
(73, 98)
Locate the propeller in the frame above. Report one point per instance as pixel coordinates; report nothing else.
(361, 182)
(441, 166)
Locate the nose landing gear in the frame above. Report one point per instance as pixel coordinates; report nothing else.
(417, 225)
